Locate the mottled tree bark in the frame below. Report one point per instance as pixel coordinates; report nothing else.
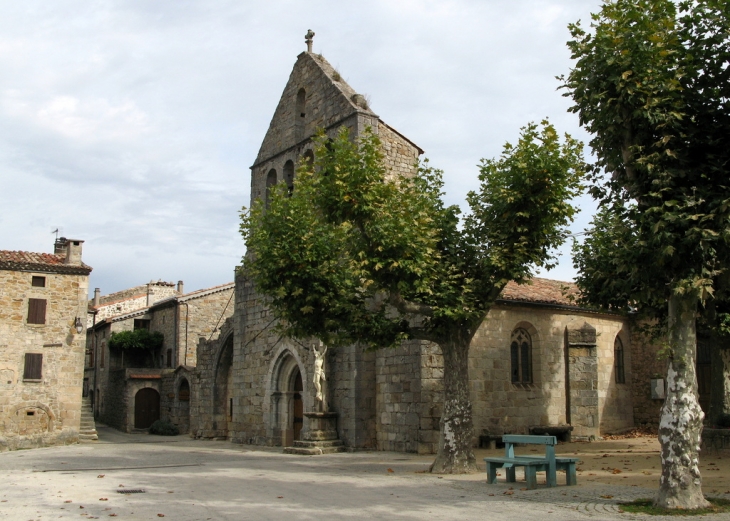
(455, 453)
(680, 426)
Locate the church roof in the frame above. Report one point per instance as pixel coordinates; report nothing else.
(544, 291)
(40, 262)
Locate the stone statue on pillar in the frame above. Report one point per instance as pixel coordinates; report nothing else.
(320, 379)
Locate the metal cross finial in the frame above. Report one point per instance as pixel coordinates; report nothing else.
(308, 38)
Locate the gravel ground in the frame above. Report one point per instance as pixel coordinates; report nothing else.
(183, 479)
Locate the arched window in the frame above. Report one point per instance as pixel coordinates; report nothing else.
(300, 113)
(301, 104)
(289, 175)
(521, 356)
(183, 393)
(270, 182)
(308, 159)
(618, 361)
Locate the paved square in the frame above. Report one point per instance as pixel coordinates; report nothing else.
(184, 479)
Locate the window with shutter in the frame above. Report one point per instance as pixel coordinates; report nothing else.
(36, 311)
(33, 366)
(38, 282)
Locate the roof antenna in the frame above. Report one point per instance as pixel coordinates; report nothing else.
(56, 232)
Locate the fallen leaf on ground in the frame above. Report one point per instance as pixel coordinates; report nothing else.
(100, 475)
(103, 499)
(391, 470)
(607, 496)
(616, 471)
(508, 492)
(282, 497)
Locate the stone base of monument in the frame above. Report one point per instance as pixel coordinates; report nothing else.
(321, 438)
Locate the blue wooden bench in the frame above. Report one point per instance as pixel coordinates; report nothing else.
(548, 463)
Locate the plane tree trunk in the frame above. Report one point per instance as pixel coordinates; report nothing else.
(680, 427)
(455, 452)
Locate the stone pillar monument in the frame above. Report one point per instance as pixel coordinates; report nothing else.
(321, 436)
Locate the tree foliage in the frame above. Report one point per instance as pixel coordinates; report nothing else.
(357, 253)
(140, 339)
(650, 82)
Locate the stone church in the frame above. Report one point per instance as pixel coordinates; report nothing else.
(538, 363)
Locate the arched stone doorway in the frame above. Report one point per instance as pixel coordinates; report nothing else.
(287, 401)
(222, 392)
(146, 408)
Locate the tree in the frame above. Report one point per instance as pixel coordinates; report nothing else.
(651, 84)
(140, 344)
(360, 254)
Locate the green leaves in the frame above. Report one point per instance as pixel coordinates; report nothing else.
(651, 83)
(137, 339)
(357, 253)
(523, 207)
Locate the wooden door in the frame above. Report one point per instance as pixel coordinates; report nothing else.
(298, 413)
(146, 408)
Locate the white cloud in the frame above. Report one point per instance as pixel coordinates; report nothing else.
(133, 124)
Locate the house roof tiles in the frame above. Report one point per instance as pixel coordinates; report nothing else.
(40, 262)
(544, 291)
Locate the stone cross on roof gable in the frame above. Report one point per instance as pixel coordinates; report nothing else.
(308, 38)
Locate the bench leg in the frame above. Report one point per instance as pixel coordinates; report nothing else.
(570, 476)
(530, 476)
(491, 473)
(510, 474)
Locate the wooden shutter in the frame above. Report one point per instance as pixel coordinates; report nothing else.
(38, 281)
(36, 311)
(33, 366)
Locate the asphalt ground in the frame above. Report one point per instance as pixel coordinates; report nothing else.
(140, 476)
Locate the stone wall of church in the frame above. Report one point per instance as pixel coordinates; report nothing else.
(400, 155)
(351, 374)
(647, 366)
(398, 389)
(598, 404)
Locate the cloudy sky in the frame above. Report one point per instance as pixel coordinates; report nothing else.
(132, 124)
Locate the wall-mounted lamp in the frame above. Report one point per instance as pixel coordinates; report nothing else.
(78, 325)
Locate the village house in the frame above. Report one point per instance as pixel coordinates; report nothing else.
(132, 388)
(42, 340)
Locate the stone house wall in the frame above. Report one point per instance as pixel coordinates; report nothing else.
(173, 406)
(44, 411)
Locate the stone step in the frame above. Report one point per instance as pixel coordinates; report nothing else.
(83, 437)
(303, 444)
(314, 451)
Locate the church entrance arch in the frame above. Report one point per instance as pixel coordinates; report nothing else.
(146, 408)
(287, 401)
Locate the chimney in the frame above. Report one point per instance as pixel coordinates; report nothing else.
(97, 292)
(180, 287)
(73, 251)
